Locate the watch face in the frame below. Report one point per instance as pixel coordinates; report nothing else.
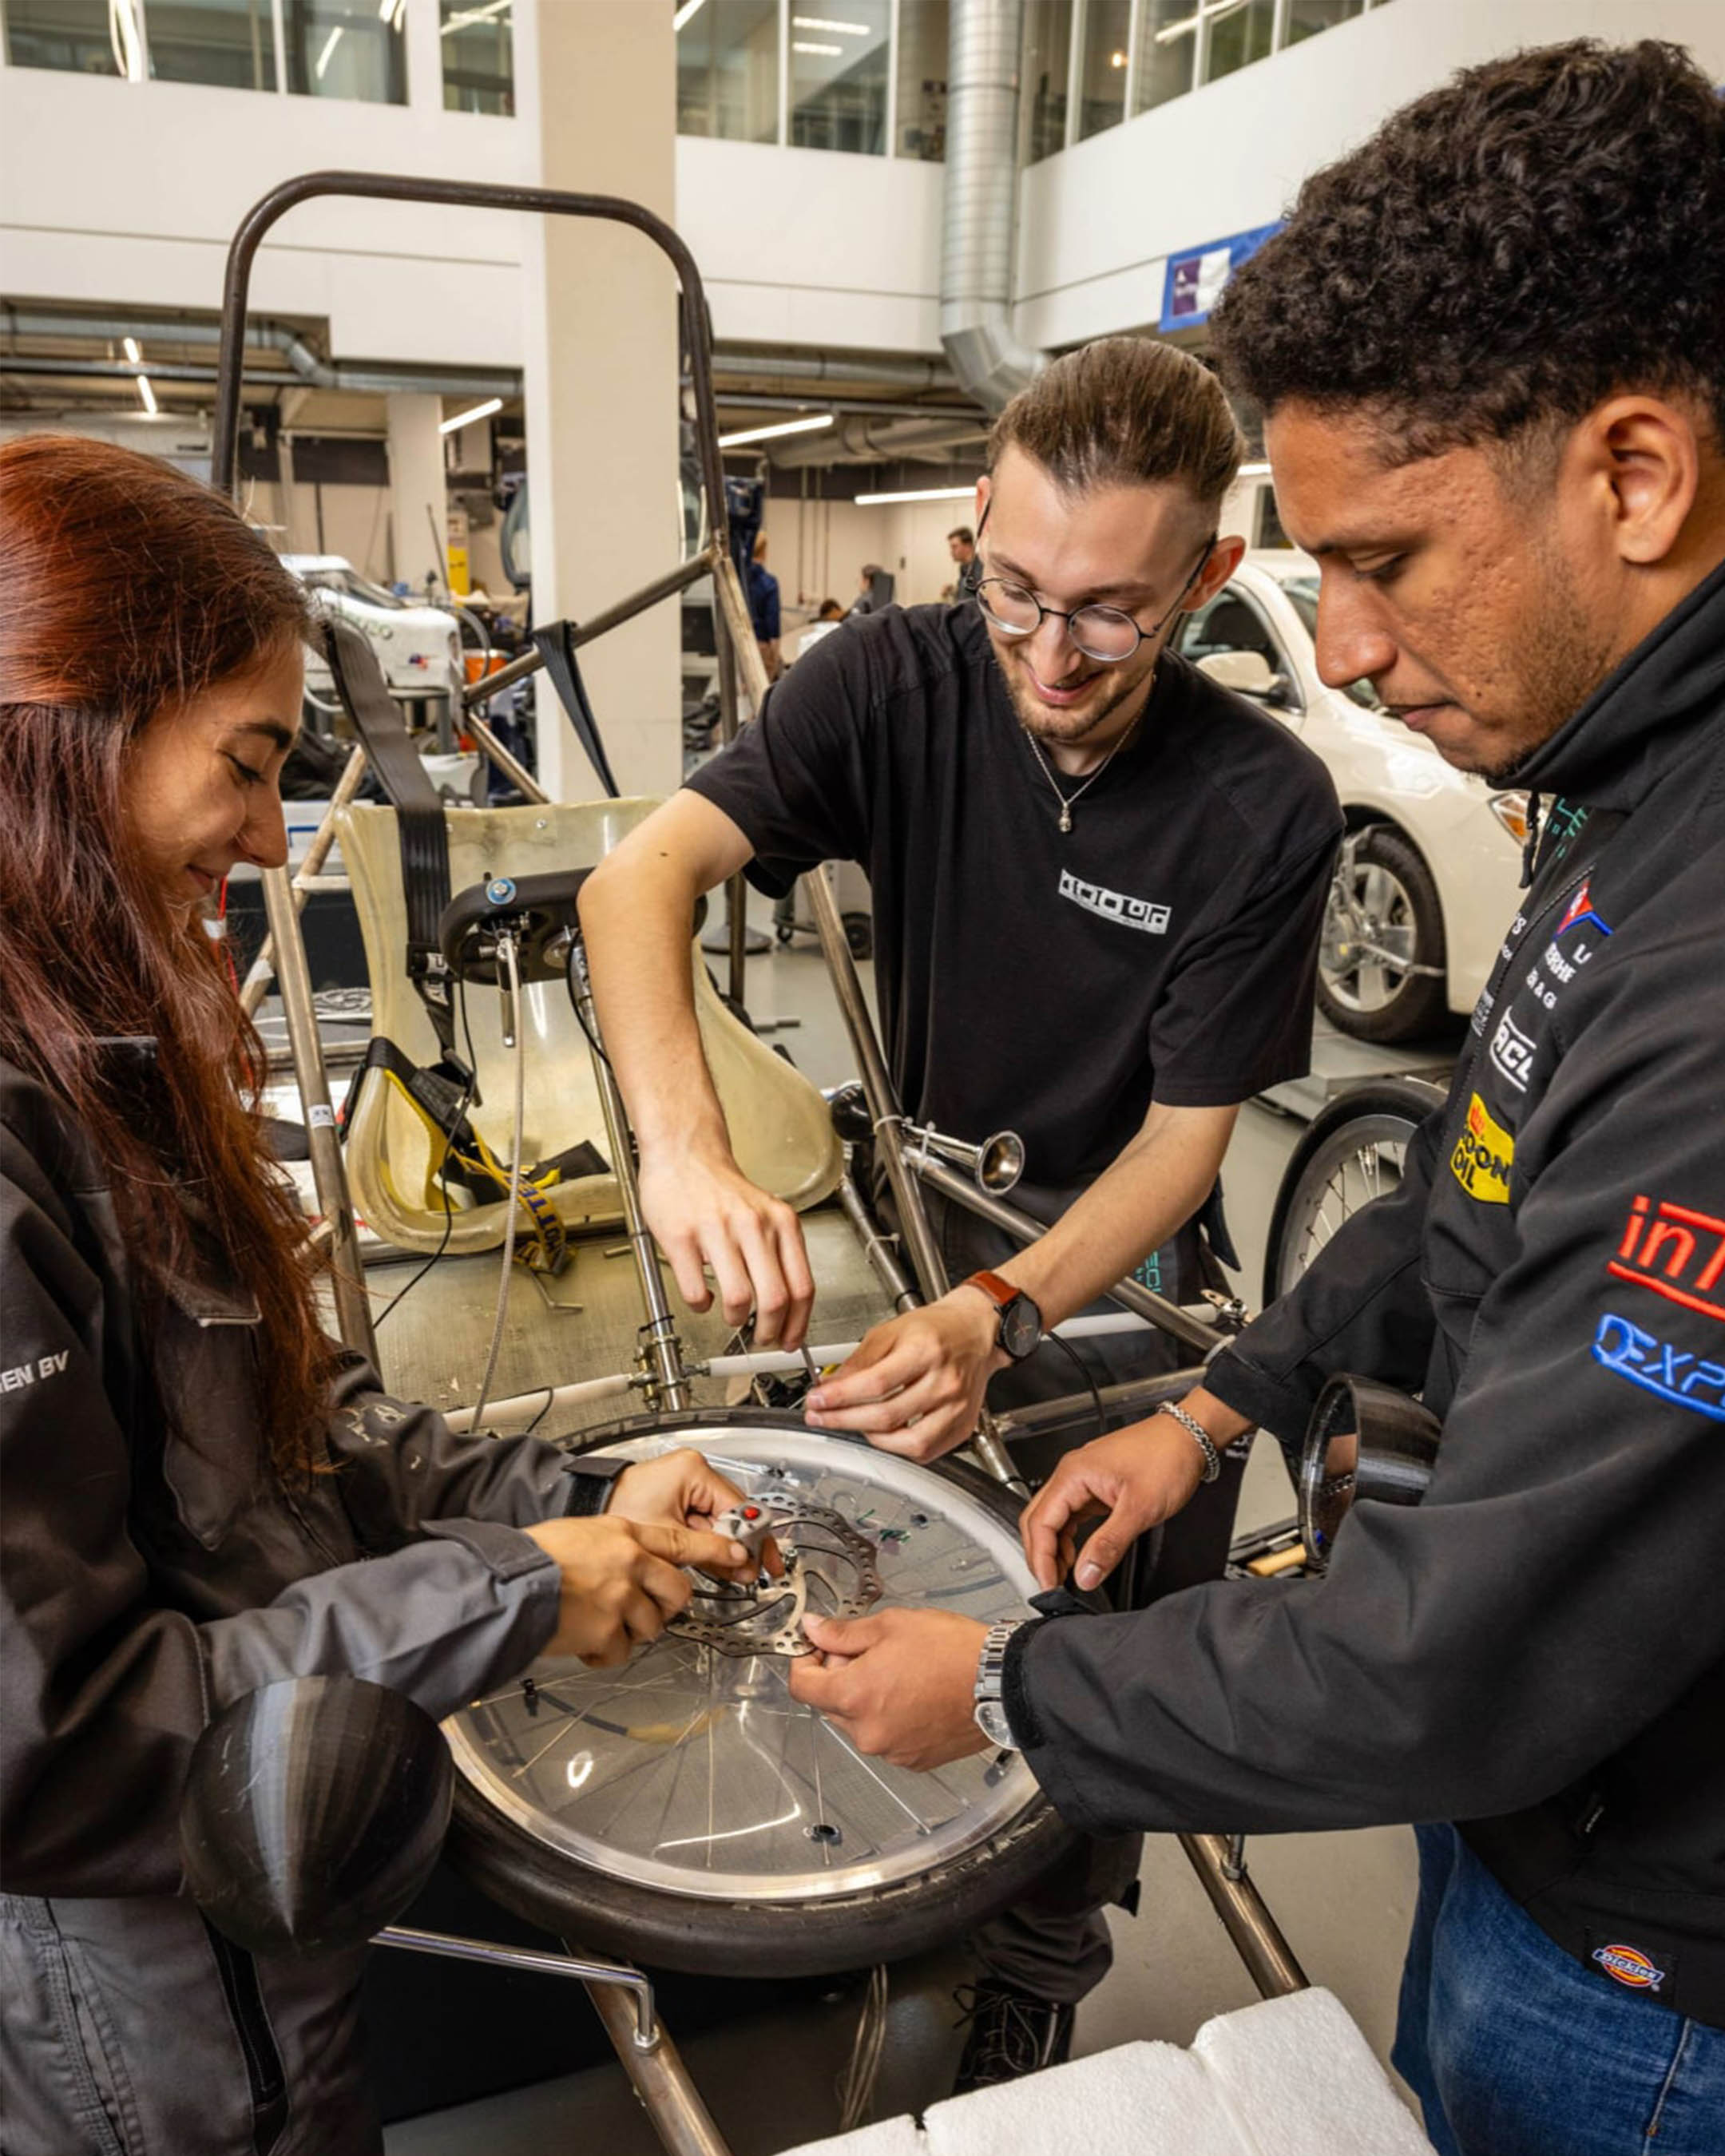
(1020, 1327)
(991, 1720)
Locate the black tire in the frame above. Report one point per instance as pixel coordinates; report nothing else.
(1384, 1114)
(1393, 902)
(614, 1916)
(859, 935)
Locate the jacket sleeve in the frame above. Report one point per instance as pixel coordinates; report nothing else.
(401, 1469)
(1362, 1307)
(103, 1690)
(1559, 1587)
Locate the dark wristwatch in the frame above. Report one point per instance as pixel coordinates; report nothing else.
(1020, 1321)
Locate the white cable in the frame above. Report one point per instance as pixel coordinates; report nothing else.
(856, 2084)
(505, 947)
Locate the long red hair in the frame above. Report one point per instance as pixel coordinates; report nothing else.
(129, 588)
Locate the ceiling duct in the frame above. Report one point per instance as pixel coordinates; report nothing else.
(867, 442)
(981, 194)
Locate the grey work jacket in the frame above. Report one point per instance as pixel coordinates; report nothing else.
(154, 1570)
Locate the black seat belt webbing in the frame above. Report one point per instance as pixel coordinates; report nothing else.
(554, 646)
(419, 812)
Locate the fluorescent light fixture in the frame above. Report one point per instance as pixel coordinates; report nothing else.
(148, 394)
(686, 13)
(779, 427)
(479, 412)
(821, 22)
(825, 52)
(918, 493)
(1254, 471)
(330, 45)
(132, 350)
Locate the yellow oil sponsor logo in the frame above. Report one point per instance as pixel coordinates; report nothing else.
(1481, 1163)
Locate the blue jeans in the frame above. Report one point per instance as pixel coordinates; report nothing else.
(1514, 2049)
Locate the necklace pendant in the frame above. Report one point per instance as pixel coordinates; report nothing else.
(1066, 818)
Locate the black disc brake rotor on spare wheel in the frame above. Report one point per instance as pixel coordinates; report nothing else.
(684, 1809)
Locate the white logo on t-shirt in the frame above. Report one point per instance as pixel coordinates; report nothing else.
(1114, 905)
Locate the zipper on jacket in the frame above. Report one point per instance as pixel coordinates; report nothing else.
(250, 2018)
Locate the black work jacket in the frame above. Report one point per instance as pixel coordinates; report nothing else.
(1538, 1650)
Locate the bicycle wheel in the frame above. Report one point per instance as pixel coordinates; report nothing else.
(685, 1810)
(1350, 1154)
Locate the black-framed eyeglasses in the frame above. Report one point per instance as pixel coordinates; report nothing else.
(1106, 634)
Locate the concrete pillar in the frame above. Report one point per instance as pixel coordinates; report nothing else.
(418, 501)
(601, 385)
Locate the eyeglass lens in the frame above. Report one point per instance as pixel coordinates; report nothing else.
(1099, 632)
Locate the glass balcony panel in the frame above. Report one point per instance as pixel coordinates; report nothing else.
(1167, 51)
(1239, 35)
(1306, 17)
(727, 71)
(1108, 31)
(346, 49)
(478, 41)
(1047, 62)
(228, 43)
(72, 35)
(922, 32)
(840, 50)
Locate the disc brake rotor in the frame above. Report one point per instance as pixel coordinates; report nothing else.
(829, 1571)
(692, 1769)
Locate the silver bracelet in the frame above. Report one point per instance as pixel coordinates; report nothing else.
(1206, 1443)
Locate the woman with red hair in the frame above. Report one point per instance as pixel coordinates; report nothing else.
(199, 1493)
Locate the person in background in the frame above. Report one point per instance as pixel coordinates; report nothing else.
(961, 545)
(763, 609)
(874, 590)
(199, 1493)
(826, 621)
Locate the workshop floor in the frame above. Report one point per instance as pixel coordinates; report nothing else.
(1344, 1901)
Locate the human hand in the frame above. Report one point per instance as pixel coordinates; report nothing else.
(682, 1489)
(901, 1685)
(620, 1581)
(915, 1385)
(1137, 1476)
(703, 1209)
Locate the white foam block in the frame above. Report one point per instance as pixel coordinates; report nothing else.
(1136, 2100)
(1298, 2079)
(892, 2137)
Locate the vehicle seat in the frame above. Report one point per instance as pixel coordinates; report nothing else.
(780, 1129)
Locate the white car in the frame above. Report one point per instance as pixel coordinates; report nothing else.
(418, 647)
(1431, 867)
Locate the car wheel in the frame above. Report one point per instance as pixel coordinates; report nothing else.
(1350, 1154)
(1381, 973)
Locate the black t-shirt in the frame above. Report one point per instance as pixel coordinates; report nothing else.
(1053, 984)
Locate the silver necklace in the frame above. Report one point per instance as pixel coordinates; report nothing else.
(1069, 801)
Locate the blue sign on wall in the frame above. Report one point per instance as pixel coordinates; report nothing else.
(1196, 278)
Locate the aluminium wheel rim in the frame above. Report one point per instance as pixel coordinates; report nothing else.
(1362, 1161)
(691, 1772)
(1371, 936)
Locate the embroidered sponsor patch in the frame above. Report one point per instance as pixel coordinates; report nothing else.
(1581, 908)
(1687, 1380)
(1513, 1052)
(1677, 1252)
(1114, 905)
(1481, 1161)
(1629, 1966)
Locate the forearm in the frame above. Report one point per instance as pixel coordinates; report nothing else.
(637, 927)
(1151, 1191)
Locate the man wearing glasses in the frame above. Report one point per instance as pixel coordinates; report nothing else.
(1098, 883)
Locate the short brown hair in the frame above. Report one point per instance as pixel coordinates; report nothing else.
(1124, 412)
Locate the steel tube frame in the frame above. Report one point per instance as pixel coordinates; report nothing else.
(663, 1344)
(1190, 1332)
(1220, 1861)
(262, 969)
(634, 1982)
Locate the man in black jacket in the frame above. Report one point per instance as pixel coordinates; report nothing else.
(1490, 349)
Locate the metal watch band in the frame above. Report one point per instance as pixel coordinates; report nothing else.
(1206, 1443)
(989, 1707)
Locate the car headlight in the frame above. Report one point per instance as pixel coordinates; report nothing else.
(1511, 810)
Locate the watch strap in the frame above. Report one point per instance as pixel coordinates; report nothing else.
(1000, 1292)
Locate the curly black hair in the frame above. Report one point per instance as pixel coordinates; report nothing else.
(1504, 254)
